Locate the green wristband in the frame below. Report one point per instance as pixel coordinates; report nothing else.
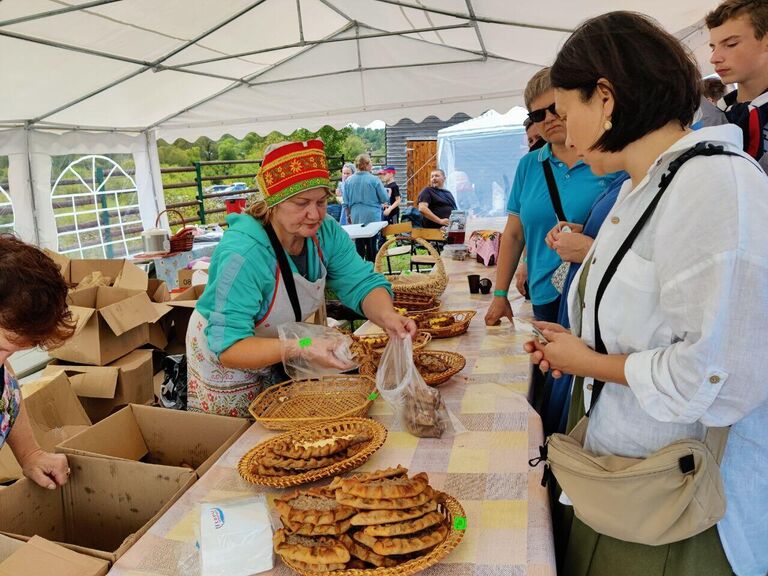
(502, 293)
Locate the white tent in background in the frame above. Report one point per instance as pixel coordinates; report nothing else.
(111, 76)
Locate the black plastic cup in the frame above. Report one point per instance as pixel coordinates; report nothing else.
(485, 286)
(474, 283)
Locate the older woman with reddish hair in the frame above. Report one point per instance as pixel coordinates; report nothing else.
(33, 312)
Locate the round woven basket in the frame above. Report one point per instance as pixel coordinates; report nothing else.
(183, 240)
(461, 320)
(297, 403)
(364, 450)
(454, 361)
(432, 284)
(455, 519)
(376, 343)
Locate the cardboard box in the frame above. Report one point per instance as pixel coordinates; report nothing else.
(159, 436)
(183, 304)
(110, 323)
(185, 278)
(103, 509)
(159, 331)
(39, 557)
(54, 413)
(122, 273)
(101, 389)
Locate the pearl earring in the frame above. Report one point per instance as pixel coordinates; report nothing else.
(607, 125)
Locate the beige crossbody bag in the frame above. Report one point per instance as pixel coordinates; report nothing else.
(672, 494)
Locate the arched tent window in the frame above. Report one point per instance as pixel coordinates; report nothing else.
(96, 207)
(6, 212)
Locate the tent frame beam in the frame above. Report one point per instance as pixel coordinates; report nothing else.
(481, 19)
(476, 26)
(50, 13)
(154, 64)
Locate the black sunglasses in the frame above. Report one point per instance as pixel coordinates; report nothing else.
(541, 113)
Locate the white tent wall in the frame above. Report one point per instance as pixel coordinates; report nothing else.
(31, 196)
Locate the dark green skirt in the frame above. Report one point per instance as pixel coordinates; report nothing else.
(584, 552)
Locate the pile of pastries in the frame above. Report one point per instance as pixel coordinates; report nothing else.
(291, 456)
(377, 519)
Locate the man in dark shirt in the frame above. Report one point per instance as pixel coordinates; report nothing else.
(436, 203)
(392, 212)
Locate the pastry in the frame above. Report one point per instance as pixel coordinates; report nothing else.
(320, 550)
(430, 363)
(423, 412)
(384, 503)
(388, 546)
(275, 461)
(320, 568)
(302, 449)
(366, 554)
(312, 508)
(370, 517)
(309, 529)
(366, 476)
(398, 487)
(406, 527)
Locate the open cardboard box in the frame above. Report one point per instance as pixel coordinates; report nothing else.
(39, 557)
(122, 273)
(54, 413)
(101, 389)
(159, 436)
(182, 305)
(159, 331)
(103, 509)
(110, 323)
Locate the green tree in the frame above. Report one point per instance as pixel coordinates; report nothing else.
(352, 146)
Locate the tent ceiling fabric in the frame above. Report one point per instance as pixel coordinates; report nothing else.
(194, 67)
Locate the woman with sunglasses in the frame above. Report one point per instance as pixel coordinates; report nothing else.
(668, 311)
(531, 211)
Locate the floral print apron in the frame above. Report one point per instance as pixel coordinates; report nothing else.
(214, 388)
(10, 403)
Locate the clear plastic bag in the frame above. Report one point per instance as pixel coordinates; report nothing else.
(419, 408)
(312, 351)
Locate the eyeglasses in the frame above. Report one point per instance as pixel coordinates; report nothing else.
(541, 113)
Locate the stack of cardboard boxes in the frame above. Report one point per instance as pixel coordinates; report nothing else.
(129, 461)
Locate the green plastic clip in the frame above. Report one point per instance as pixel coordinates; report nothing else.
(373, 395)
(460, 523)
(305, 342)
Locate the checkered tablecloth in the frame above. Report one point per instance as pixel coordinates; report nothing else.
(485, 467)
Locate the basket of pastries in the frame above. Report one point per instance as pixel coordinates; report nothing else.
(443, 323)
(435, 366)
(312, 452)
(375, 343)
(297, 403)
(381, 523)
(415, 302)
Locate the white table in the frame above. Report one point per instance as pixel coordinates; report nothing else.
(357, 231)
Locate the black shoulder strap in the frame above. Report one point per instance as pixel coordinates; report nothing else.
(285, 272)
(554, 194)
(701, 149)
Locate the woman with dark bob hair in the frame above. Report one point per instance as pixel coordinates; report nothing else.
(670, 306)
(33, 312)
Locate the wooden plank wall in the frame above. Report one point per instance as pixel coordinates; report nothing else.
(421, 160)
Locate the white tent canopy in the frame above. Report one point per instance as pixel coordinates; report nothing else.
(188, 68)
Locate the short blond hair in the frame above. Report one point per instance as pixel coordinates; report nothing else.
(537, 85)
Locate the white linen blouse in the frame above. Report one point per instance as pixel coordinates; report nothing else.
(689, 304)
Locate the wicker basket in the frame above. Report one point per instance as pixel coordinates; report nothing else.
(377, 342)
(416, 302)
(451, 509)
(432, 284)
(453, 360)
(461, 318)
(298, 403)
(183, 240)
(365, 450)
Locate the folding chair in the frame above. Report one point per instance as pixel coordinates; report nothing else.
(396, 230)
(435, 237)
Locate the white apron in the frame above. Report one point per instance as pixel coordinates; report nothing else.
(214, 388)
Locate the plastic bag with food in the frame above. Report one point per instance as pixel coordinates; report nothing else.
(419, 408)
(312, 351)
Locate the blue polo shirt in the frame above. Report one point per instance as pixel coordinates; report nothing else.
(530, 201)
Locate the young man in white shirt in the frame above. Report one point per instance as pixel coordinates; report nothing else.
(738, 36)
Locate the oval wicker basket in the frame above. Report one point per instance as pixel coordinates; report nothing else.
(301, 402)
(364, 450)
(451, 509)
(183, 240)
(453, 360)
(416, 302)
(432, 284)
(461, 320)
(376, 343)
